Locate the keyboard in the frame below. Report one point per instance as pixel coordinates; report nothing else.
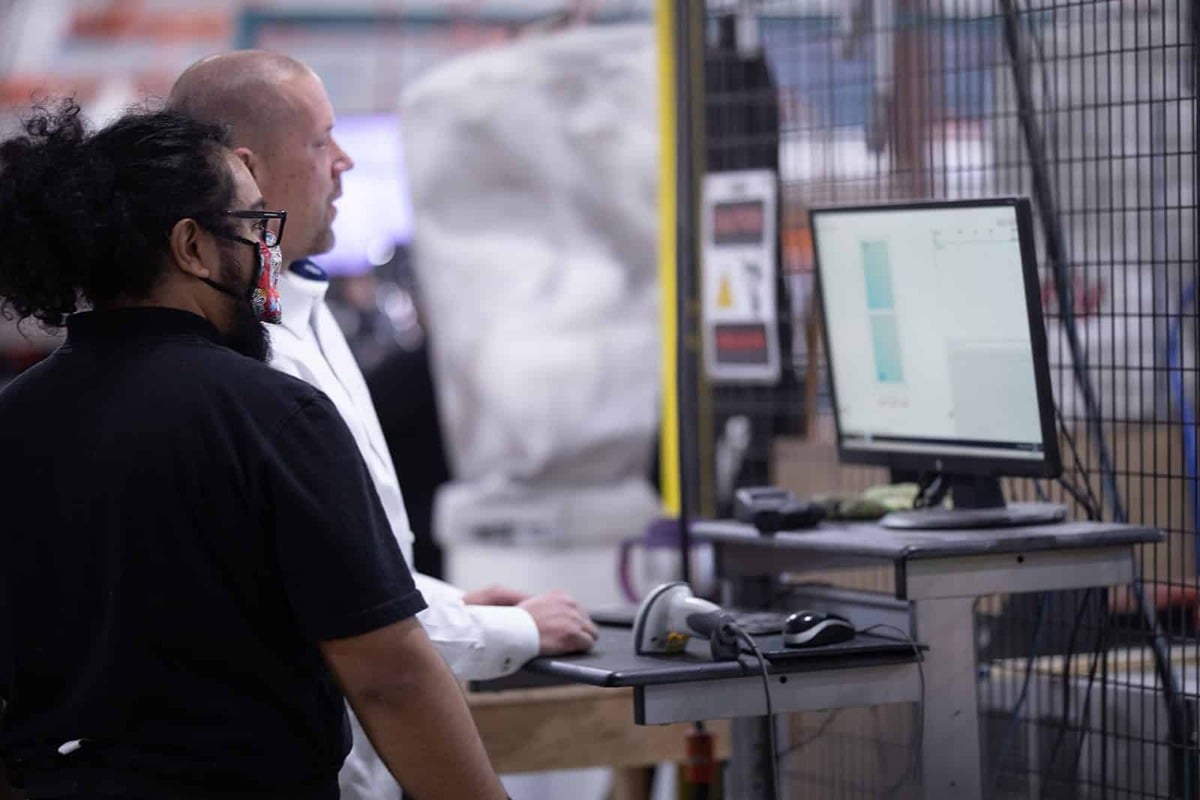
(759, 623)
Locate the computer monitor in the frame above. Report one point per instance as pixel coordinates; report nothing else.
(936, 349)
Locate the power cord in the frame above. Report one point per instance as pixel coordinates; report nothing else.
(1077, 494)
(1066, 674)
(931, 490)
(817, 734)
(1010, 729)
(1092, 504)
(918, 736)
(1102, 647)
(1056, 248)
(1179, 717)
(773, 757)
(915, 741)
(1180, 721)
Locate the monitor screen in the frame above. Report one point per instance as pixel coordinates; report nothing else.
(934, 334)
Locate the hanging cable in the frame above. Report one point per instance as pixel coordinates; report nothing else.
(1093, 501)
(918, 737)
(1056, 250)
(1179, 716)
(772, 765)
(1014, 720)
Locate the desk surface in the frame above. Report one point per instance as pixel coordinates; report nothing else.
(613, 663)
(869, 540)
(572, 727)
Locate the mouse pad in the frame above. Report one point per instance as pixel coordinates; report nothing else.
(773, 648)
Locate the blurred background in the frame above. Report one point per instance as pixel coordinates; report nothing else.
(111, 54)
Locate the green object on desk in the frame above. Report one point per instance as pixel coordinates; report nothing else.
(871, 503)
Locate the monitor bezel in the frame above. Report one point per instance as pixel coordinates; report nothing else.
(948, 462)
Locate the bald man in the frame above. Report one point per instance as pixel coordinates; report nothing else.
(282, 127)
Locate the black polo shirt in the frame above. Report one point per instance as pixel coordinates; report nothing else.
(181, 526)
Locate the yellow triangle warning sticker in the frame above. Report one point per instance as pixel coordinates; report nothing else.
(724, 294)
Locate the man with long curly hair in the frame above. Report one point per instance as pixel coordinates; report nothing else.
(194, 567)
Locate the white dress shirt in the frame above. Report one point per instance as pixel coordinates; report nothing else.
(478, 642)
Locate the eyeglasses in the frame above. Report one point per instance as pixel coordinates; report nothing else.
(268, 226)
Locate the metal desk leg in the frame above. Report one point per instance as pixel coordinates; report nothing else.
(950, 755)
(746, 772)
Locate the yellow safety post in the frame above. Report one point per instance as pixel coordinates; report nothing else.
(664, 22)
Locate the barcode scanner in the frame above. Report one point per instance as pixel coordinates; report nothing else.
(770, 509)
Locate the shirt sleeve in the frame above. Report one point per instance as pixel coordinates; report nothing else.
(478, 642)
(342, 569)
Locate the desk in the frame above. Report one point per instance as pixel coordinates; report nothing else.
(867, 671)
(942, 574)
(573, 727)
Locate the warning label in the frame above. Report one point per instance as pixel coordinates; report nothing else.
(740, 266)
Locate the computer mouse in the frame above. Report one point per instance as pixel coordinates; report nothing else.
(814, 629)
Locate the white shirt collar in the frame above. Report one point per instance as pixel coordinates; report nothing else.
(299, 296)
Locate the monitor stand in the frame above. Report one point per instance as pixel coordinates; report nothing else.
(978, 503)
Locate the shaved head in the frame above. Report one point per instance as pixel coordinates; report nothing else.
(281, 125)
(280, 122)
(241, 90)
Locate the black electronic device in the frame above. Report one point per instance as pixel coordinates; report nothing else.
(815, 629)
(770, 509)
(932, 319)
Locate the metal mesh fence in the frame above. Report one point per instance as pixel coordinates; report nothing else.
(853, 102)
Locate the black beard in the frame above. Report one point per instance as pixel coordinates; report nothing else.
(246, 334)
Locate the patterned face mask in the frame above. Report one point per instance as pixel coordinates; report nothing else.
(264, 296)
